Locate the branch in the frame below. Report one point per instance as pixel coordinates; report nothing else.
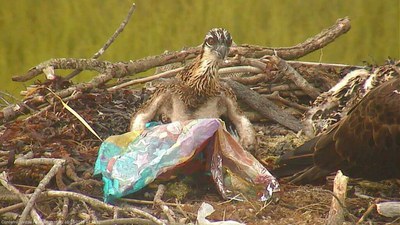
(58, 163)
(336, 213)
(33, 213)
(317, 42)
(264, 106)
(109, 41)
(141, 65)
(99, 204)
(293, 75)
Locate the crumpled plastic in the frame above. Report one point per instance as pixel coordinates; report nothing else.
(206, 210)
(130, 161)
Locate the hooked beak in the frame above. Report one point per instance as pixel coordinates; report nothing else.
(222, 51)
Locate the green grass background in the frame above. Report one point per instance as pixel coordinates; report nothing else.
(32, 31)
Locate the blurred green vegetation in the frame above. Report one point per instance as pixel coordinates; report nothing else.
(33, 31)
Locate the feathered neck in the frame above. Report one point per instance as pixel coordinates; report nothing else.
(202, 75)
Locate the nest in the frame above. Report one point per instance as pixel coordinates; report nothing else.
(47, 158)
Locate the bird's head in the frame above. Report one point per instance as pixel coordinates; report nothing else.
(217, 43)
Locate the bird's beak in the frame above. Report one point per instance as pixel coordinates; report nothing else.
(222, 51)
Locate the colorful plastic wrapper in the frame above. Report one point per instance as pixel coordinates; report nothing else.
(130, 161)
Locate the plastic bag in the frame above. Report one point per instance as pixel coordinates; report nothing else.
(130, 161)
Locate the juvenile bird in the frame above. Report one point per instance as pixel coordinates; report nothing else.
(196, 92)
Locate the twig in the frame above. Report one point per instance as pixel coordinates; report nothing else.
(367, 212)
(33, 213)
(58, 163)
(264, 106)
(165, 74)
(12, 208)
(261, 77)
(293, 75)
(275, 96)
(137, 221)
(64, 212)
(157, 200)
(109, 41)
(173, 72)
(336, 213)
(136, 201)
(99, 204)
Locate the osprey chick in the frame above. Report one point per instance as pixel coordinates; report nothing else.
(196, 92)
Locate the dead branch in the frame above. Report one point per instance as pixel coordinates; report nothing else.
(109, 41)
(33, 213)
(366, 213)
(98, 204)
(337, 212)
(264, 106)
(293, 75)
(157, 200)
(58, 163)
(275, 96)
(318, 41)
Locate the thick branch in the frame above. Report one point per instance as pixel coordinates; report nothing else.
(264, 106)
(310, 45)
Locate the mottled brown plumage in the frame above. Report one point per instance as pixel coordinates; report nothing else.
(196, 92)
(363, 144)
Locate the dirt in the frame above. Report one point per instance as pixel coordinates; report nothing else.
(56, 133)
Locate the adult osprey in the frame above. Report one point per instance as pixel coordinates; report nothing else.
(196, 92)
(363, 144)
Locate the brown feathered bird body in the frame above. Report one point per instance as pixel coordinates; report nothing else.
(196, 92)
(363, 144)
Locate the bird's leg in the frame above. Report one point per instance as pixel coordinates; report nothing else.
(242, 124)
(147, 113)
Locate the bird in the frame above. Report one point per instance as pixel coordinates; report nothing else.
(365, 143)
(197, 92)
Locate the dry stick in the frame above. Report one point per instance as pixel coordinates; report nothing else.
(173, 72)
(12, 208)
(367, 212)
(109, 41)
(293, 75)
(99, 204)
(58, 163)
(264, 106)
(336, 213)
(157, 200)
(165, 74)
(275, 96)
(33, 213)
(136, 221)
(251, 80)
(64, 212)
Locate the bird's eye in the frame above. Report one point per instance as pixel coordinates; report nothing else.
(229, 42)
(210, 41)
